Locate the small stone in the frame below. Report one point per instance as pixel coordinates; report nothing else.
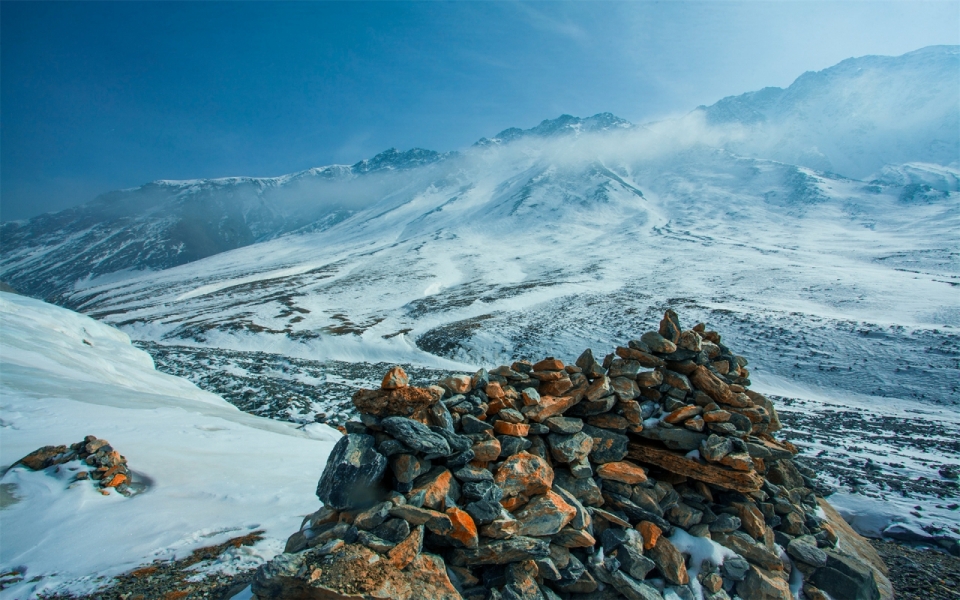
(712, 583)
(501, 528)
(682, 414)
(437, 486)
(373, 516)
(760, 584)
(549, 406)
(406, 551)
(650, 533)
(583, 489)
(471, 424)
(514, 429)
(569, 537)
(545, 515)
(395, 378)
(373, 542)
(658, 343)
(565, 425)
(416, 436)
(649, 379)
(457, 384)
(751, 519)
(807, 553)
(725, 523)
(669, 561)
(482, 490)
(403, 401)
(487, 450)
(502, 552)
(683, 516)
(471, 473)
(634, 563)
(735, 568)
(715, 448)
(570, 448)
(548, 364)
(511, 445)
(392, 530)
(622, 471)
(609, 421)
(524, 473)
(464, 531)
(607, 445)
(484, 511)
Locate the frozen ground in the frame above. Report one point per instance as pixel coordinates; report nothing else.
(212, 471)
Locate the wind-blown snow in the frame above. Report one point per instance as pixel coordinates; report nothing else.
(214, 472)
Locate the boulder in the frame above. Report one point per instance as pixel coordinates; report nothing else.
(352, 474)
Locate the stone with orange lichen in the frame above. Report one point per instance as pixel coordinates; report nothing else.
(406, 551)
(548, 364)
(609, 421)
(622, 471)
(650, 534)
(512, 504)
(682, 414)
(487, 450)
(669, 561)
(524, 473)
(404, 401)
(436, 485)
(494, 391)
(464, 532)
(115, 480)
(395, 378)
(514, 429)
(550, 406)
(556, 388)
(709, 383)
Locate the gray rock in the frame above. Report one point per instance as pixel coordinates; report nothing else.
(510, 445)
(564, 425)
(683, 516)
(570, 448)
(373, 516)
(725, 523)
(657, 343)
(392, 530)
(417, 436)
(502, 552)
(585, 490)
(482, 490)
(608, 446)
(483, 511)
(352, 474)
(624, 368)
(471, 473)
(715, 447)
(471, 424)
(846, 577)
(735, 568)
(634, 563)
(807, 552)
(676, 438)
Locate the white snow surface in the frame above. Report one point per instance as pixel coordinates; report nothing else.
(213, 471)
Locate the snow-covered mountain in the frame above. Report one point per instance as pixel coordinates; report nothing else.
(853, 119)
(856, 117)
(573, 233)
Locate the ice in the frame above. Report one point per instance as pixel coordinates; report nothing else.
(212, 471)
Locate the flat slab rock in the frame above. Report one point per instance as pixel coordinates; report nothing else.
(741, 481)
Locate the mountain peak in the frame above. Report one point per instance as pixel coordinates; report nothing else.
(394, 160)
(563, 125)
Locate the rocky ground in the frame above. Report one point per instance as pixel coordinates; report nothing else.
(275, 385)
(920, 573)
(179, 579)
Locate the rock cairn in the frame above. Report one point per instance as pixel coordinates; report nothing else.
(109, 467)
(650, 474)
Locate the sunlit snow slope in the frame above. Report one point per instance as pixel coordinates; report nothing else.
(214, 472)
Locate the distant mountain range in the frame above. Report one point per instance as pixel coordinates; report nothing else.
(829, 208)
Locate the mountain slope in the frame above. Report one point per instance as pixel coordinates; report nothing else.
(856, 117)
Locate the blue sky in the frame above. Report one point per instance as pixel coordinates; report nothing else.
(100, 96)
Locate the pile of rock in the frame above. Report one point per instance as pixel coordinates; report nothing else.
(650, 474)
(108, 467)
